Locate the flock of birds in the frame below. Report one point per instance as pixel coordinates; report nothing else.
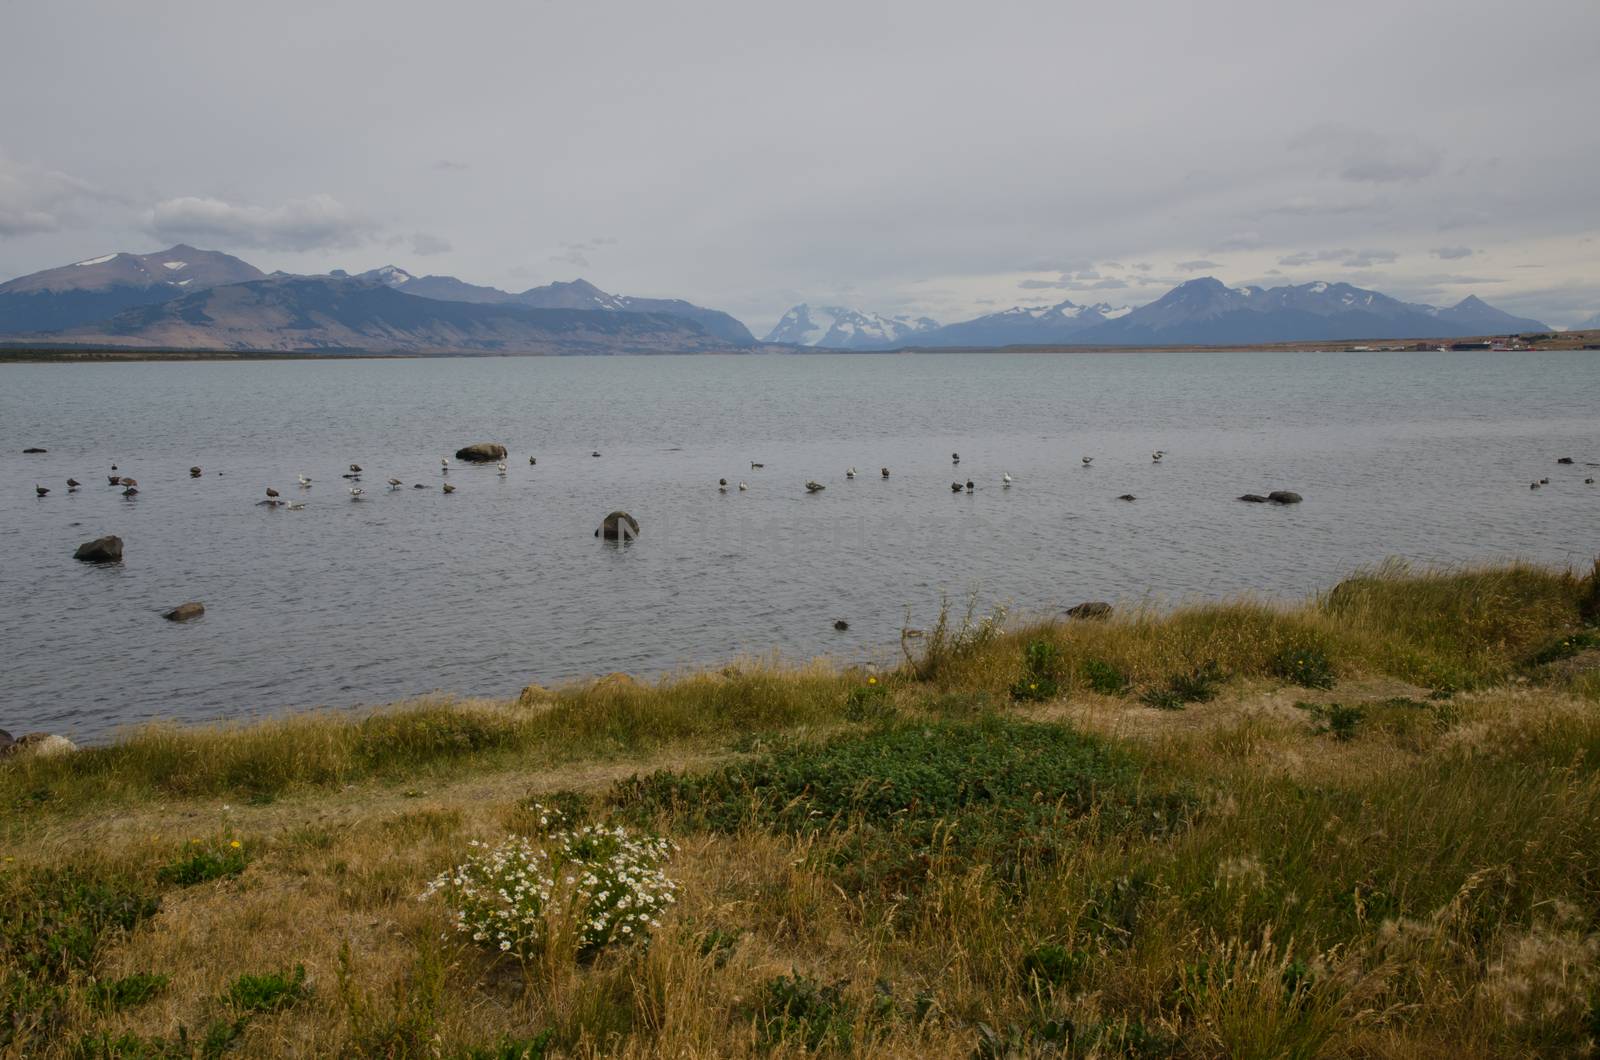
(1539, 482)
(274, 499)
(813, 486)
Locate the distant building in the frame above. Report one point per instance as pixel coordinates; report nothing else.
(1472, 345)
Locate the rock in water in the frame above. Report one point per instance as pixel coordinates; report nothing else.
(841, 625)
(1254, 498)
(1565, 460)
(618, 526)
(184, 612)
(1283, 497)
(36, 449)
(1090, 609)
(106, 549)
(482, 452)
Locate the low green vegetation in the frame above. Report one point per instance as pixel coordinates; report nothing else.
(1372, 829)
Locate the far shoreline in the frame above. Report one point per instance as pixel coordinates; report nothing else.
(1588, 340)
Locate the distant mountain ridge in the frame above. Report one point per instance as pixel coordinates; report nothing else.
(1207, 312)
(76, 298)
(310, 313)
(572, 294)
(840, 328)
(101, 287)
(1025, 325)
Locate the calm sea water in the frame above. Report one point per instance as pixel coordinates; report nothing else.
(1422, 456)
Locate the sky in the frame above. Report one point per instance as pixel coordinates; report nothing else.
(926, 157)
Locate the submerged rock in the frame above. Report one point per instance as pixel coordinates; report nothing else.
(1565, 460)
(841, 625)
(618, 526)
(1090, 609)
(1254, 498)
(184, 612)
(106, 549)
(482, 452)
(1284, 497)
(36, 449)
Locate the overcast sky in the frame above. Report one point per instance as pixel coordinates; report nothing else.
(920, 156)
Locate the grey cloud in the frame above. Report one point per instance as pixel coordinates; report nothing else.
(1323, 206)
(1350, 259)
(1043, 285)
(1109, 284)
(450, 165)
(1238, 241)
(33, 200)
(1197, 265)
(318, 222)
(1451, 253)
(571, 255)
(424, 244)
(1365, 156)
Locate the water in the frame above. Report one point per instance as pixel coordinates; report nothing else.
(1423, 456)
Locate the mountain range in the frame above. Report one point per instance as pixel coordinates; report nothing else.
(838, 328)
(1201, 312)
(186, 298)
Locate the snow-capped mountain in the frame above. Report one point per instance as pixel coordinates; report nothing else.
(839, 328)
(100, 287)
(1025, 325)
(1587, 325)
(1208, 312)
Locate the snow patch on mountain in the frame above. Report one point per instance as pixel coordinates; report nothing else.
(842, 328)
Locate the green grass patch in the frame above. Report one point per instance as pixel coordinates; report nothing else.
(54, 924)
(130, 991)
(268, 992)
(202, 863)
(1306, 665)
(799, 1011)
(1197, 685)
(909, 797)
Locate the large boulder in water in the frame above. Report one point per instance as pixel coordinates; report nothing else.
(618, 526)
(482, 452)
(106, 549)
(1090, 609)
(1284, 497)
(184, 612)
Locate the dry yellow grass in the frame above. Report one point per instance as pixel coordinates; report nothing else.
(1429, 885)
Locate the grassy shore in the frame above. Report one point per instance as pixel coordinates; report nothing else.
(1365, 826)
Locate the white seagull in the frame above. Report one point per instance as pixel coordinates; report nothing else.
(743, 486)
(850, 473)
(356, 492)
(305, 481)
(1005, 477)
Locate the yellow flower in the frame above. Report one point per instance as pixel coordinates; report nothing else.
(234, 844)
(872, 680)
